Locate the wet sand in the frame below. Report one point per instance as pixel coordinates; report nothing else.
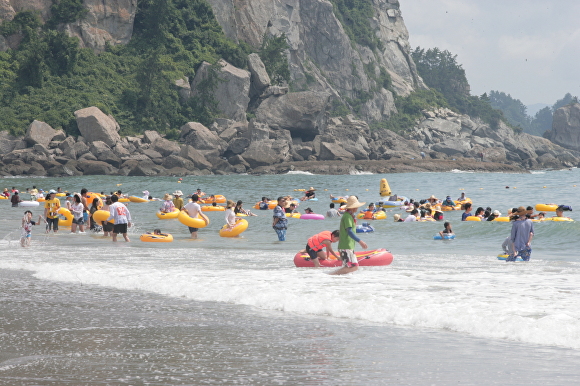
(59, 333)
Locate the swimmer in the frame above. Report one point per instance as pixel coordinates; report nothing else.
(27, 223)
(447, 231)
(309, 194)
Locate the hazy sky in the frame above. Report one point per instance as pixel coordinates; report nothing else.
(529, 49)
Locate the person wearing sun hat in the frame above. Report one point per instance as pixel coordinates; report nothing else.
(521, 235)
(146, 194)
(348, 237)
(177, 200)
(167, 206)
(309, 194)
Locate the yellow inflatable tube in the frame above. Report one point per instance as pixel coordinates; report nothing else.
(241, 225)
(293, 215)
(167, 216)
(211, 208)
(67, 215)
(151, 238)
(472, 218)
(137, 199)
(102, 215)
(557, 219)
(546, 207)
(501, 219)
(186, 219)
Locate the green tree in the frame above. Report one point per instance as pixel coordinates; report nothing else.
(274, 57)
(513, 109)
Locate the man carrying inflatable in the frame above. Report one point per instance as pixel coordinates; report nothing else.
(316, 244)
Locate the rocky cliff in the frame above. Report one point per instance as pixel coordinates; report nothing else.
(322, 57)
(107, 21)
(566, 127)
(288, 125)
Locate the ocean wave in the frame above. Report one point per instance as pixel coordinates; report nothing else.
(300, 172)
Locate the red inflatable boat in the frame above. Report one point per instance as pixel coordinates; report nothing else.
(375, 257)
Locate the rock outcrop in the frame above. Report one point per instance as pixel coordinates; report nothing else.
(566, 127)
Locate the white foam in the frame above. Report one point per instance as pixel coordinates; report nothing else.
(531, 303)
(300, 172)
(358, 172)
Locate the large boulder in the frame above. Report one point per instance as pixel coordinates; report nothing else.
(231, 92)
(95, 125)
(104, 153)
(96, 167)
(303, 113)
(39, 132)
(566, 127)
(452, 146)
(261, 154)
(165, 146)
(174, 161)
(260, 78)
(333, 151)
(200, 137)
(198, 159)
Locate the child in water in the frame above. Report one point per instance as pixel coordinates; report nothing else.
(27, 223)
(447, 231)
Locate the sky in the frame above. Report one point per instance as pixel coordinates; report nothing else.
(529, 49)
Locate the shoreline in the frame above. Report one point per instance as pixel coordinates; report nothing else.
(390, 166)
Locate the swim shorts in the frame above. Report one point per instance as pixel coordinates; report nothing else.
(191, 230)
(311, 252)
(120, 228)
(78, 221)
(348, 258)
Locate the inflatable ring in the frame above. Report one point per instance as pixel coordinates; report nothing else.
(293, 215)
(3, 198)
(218, 198)
(41, 199)
(271, 204)
(67, 215)
(472, 218)
(137, 199)
(501, 219)
(241, 225)
(211, 208)
(557, 219)
(151, 238)
(61, 194)
(124, 199)
(102, 215)
(364, 228)
(90, 196)
(546, 207)
(311, 216)
(28, 203)
(186, 219)
(339, 200)
(167, 216)
(504, 256)
(241, 215)
(445, 237)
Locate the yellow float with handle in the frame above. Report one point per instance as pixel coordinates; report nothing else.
(186, 219)
(153, 238)
(137, 199)
(61, 194)
(271, 204)
(379, 215)
(168, 216)
(546, 207)
(472, 218)
(102, 215)
(501, 219)
(67, 222)
(241, 225)
(385, 188)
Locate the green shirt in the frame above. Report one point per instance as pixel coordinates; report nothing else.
(345, 241)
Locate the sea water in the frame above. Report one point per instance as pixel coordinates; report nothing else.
(79, 309)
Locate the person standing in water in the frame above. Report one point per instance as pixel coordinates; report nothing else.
(122, 217)
(348, 238)
(280, 222)
(521, 235)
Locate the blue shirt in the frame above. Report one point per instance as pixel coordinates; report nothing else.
(521, 230)
(281, 215)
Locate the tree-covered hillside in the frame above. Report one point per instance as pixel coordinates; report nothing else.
(48, 77)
